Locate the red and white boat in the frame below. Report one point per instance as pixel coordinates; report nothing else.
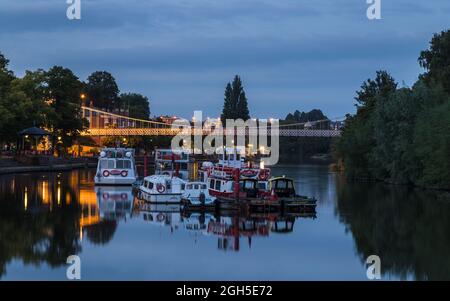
(222, 177)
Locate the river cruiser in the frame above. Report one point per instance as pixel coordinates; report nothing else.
(116, 166)
(162, 188)
(196, 193)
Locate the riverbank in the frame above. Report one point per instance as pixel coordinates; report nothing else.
(10, 165)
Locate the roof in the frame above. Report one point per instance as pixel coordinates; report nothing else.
(281, 178)
(34, 131)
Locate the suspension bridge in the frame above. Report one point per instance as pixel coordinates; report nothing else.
(102, 123)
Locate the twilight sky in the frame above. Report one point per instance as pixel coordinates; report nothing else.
(291, 54)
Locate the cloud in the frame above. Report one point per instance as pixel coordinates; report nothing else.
(303, 54)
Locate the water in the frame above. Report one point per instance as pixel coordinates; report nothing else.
(46, 217)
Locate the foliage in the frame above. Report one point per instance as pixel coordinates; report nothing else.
(437, 60)
(64, 90)
(402, 135)
(235, 102)
(52, 100)
(102, 90)
(135, 104)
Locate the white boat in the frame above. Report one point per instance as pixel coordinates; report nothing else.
(162, 188)
(172, 163)
(196, 193)
(116, 166)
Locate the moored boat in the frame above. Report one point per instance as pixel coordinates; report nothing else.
(116, 166)
(162, 188)
(197, 194)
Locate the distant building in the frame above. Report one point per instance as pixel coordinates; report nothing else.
(167, 119)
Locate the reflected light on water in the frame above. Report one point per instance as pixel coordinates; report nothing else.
(25, 199)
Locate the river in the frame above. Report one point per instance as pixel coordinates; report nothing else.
(46, 217)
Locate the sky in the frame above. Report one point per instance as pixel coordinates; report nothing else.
(291, 54)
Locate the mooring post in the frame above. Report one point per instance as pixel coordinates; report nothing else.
(145, 164)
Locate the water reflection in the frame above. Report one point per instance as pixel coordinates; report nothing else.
(408, 228)
(228, 226)
(38, 222)
(46, 217)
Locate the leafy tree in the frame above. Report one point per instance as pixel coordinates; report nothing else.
(64, 91)
(356, 145)
(102, 90)
(25, 105)
(6, 76)
(437, 60)
(235, 101)
(137, 105)
(431, 141)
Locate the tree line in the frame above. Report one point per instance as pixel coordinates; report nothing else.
(52, 99)
(402, 134)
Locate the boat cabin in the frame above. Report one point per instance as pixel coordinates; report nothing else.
(282, 186)
(172, 163)
(162, 184)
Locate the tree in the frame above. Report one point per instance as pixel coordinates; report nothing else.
(64, 91)
(25, 105)
(6, 76)
(102, 90)
(235, 101)
(358, 136)
(137, 105)
(436, 60)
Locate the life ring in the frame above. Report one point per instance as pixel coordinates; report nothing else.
(106, 173)
(105, 195)
(160, 217)
(161, 188)
(124, 173)
(263, 175)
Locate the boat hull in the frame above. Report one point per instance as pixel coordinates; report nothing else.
(128, 181)
(174, 198)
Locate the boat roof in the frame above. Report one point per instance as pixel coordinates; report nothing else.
(175, 151)
(280, 178)
(155, 178)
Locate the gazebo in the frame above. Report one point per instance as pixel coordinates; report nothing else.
(34, 132)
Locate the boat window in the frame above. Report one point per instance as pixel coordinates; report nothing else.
(218, 184)
(145, 183)
(150, 185)
(249, 184)
(211, 184)
(123, 164)
(196, 186)
(262, 185)
(119, 164)
(168, 185)
(106, 164)
(203, 186)
(183, 186)
(189, 186)
(238, 157)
